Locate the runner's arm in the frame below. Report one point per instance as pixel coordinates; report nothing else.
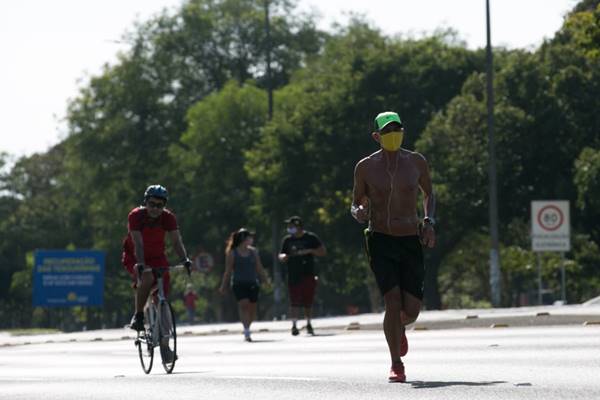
(319, 251)
(283, 256)
(360, 202)
(227, 272)
(428, 233)
(427, 189)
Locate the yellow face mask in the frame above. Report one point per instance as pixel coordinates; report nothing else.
(391, 141)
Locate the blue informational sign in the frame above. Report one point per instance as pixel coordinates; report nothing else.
(68, 278)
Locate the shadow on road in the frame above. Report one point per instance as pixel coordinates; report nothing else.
(433, 384)
(321, 334)
(190, 372)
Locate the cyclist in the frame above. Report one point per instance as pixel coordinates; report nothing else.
(144, 247)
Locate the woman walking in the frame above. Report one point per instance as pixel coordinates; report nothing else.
(243, 265)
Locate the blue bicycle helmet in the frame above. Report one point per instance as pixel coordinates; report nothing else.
(157, 191)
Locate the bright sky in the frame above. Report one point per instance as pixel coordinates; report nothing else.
(50, 48)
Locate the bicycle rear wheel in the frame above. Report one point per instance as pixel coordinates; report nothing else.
(168, 337)
(144, 341)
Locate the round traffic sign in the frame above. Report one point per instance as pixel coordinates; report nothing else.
(550, 218)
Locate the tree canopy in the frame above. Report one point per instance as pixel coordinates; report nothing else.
(187, 107)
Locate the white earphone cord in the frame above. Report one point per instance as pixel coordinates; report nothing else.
(389, 203)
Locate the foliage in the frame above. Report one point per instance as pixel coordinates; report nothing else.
(187, 107)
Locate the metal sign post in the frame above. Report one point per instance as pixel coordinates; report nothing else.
(551, 231)
(539, 272)
(563, 280)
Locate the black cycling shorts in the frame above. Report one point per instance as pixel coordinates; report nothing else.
(245, 290)
(396, 261)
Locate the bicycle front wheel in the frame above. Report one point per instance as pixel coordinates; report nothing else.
(144, 343)
(168, 337)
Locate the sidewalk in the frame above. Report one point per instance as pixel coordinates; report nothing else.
(587, 313)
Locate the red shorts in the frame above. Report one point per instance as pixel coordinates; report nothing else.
(133, 273)
(302, 294)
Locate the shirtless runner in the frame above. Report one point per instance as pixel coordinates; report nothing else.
(386, 186)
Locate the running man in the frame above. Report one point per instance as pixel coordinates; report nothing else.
(386, 185)
(298, 250)
(147, 225)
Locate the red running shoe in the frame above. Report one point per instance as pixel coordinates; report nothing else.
(397, 373)
(403, 344)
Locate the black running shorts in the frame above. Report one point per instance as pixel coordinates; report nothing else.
(245, 290)
(396, 261)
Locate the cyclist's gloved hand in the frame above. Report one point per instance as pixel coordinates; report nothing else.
(188, 265)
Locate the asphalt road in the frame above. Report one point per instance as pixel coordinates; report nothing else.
(551, 362)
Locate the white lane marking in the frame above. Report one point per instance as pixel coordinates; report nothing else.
(273, 378)
(22, 379)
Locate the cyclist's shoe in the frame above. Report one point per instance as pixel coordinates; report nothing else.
(295, 330)
(403, 344)
(309, 329)
(397, 373)
(167, 355)
(137, 322)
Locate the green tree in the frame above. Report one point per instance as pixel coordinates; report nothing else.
(587, 180)
(209, 160)
(544, 117)
(303, 163)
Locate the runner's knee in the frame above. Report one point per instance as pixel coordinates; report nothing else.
(393, 298)
(409, 317)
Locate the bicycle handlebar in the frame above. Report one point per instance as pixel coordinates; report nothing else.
(166, 268)
(170, 267)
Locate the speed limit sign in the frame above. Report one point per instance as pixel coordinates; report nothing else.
(550, 227)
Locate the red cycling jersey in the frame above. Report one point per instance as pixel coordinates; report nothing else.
(153, 235)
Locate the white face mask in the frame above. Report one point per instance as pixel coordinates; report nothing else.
(292, 230)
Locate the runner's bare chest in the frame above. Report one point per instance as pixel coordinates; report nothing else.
(396, 176)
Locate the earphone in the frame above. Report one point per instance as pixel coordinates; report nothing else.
(389, 203)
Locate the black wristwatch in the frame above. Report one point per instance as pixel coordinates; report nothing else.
(429, 221)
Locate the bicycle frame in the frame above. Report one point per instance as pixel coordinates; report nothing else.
(155, 310)
(151, 337)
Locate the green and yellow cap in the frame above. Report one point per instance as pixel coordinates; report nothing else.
(384, 118)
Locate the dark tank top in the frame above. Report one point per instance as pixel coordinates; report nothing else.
(244, 267)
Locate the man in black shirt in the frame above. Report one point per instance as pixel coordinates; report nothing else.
(298, 250)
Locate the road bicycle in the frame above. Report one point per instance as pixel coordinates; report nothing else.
(159, 327)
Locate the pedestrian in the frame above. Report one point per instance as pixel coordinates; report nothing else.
(243, 266)
(298, 251)
(386, 185)
(189, 299)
